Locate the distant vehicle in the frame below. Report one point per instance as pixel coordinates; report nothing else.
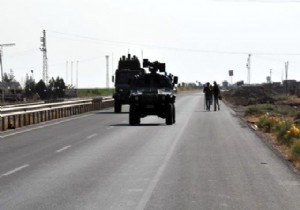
(152, 94)
(128, 68)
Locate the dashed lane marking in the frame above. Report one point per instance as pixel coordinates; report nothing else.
(15, 170)
(63, 149)
(91, 136)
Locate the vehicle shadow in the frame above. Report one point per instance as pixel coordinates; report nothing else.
(204, 111)
(140, 125)
(112, 113)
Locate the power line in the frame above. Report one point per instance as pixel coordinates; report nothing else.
(261, 1)
(94, 39)
(23, 53)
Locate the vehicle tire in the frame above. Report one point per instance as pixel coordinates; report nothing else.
(169, 114)
(174, 113)
(134, 118)
(118, 107)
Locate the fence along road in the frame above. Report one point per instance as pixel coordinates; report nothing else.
(207, 160)
(23, 115)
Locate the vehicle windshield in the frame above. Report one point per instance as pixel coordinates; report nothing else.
(124, 77)
(161, 82)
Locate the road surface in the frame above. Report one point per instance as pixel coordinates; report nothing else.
(207, 160)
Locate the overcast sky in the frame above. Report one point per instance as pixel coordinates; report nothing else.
(199, 40)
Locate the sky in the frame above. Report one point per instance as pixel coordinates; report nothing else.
(199, 40)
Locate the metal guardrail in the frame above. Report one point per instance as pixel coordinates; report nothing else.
(23, 115)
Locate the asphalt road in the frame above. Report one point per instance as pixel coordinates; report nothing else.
(207, 160)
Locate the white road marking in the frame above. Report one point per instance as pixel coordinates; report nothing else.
(14, 170)
(148, 192)
(91, 136)
(64, 148)
(43, 126)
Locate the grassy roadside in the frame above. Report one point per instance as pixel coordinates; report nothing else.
(90, 92)
(279, 123)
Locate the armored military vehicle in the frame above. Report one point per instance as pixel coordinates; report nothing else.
(128, 67)
(152, 94)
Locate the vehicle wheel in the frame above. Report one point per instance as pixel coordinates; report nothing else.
(174, 113)
(134, 118)
(118, 107)
(169, 114)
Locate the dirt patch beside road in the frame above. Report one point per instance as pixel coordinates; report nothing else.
(242, 100)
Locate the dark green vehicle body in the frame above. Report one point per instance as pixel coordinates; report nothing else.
(152, 94)
(128, 67)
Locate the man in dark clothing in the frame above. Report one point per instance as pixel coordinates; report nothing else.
(207, 91)
(216, 93)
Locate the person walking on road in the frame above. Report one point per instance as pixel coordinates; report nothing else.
(216, 94)
(208, 93)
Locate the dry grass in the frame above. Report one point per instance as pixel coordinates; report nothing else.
(293, 99)
(286, 107)
(283, 149)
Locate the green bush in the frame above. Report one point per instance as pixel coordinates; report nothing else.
(296, 149)
(269, 122)
(253, 111)
(282, 131)
(95, 92)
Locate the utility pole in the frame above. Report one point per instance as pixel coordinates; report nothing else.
(77, 74)
(72, 74)
(1, 63)
(107, 71)
(45, 59)
(270, 75)
(67, 64)
(112, 67)
(248, 65)
(286, 77)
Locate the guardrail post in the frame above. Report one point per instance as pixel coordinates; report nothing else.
(15, 119)
(19, 121)
(48, 113)
(33, 118)
(41, 116)
(3, 123)
(24, 119)
(8, 122)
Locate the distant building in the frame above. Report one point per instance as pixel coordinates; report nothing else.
(240, 83)
(290, 86)
(225, 84)
(297, 91)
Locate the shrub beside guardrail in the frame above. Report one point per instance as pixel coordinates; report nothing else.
(19, 116)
